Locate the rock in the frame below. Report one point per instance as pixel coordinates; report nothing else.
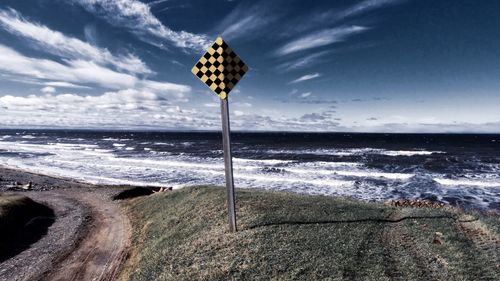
(438, 238)
(418, 203)
(27, 186)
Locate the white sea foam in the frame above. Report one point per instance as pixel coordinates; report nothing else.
(282, 179)
(408, 152)
(119, 144)
(467, 182)
(72, 145)
(164, 143)
(115, 139)
(263, 161)
(167, 162)
(359, 173)
(355, 151)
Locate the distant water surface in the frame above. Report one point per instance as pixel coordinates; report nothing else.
(461, 170)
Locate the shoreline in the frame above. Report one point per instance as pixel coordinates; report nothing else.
(43, 182)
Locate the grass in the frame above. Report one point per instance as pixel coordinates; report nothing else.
(22, 222)
(182, 235)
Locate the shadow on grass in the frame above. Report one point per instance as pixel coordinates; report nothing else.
(24, 225)
(366, 220)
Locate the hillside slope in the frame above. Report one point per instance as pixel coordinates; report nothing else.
(181, 235)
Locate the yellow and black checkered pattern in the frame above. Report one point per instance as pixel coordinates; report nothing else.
(220, 68)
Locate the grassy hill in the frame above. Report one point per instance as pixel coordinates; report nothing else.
(22, 222)
(181, 235)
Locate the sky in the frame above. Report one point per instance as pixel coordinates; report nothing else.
(414, 66)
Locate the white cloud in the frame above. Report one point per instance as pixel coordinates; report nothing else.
(79, 71)
(137, 17)
(463, 127)
(65, 85)
(305, 95)
(156, 2)
(306, 77)
(120, 109)
(59, 44)
(48, 90)
(238, 113)
(75, 71)
(321, 38)
(242, 104)
(123, 100)
(145, 109)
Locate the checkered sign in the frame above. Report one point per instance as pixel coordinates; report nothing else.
(220, 68)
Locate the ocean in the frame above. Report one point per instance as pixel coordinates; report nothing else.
(460, 170)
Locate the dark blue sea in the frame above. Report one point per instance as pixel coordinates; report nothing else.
(460, 170)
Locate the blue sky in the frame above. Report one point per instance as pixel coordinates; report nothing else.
(363, 66)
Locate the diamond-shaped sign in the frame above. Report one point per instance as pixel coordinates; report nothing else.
(220, 68)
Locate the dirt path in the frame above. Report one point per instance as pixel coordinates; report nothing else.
(88, 241)
(103, 250)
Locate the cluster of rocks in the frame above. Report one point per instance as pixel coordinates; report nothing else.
(163, 189)
(416, 203)
(14, 185)
(18, 185)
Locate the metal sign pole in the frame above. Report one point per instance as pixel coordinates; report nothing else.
(221, 69)
(228, 164)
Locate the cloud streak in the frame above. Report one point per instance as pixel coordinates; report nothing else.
(59, 84)
(302, 62)
(320, 38)
(305, 78)
(138, 18)
(364, 7)
(57, 43)
(246, 19)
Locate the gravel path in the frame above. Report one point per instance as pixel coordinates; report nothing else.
(89, 239)
(71, 222)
